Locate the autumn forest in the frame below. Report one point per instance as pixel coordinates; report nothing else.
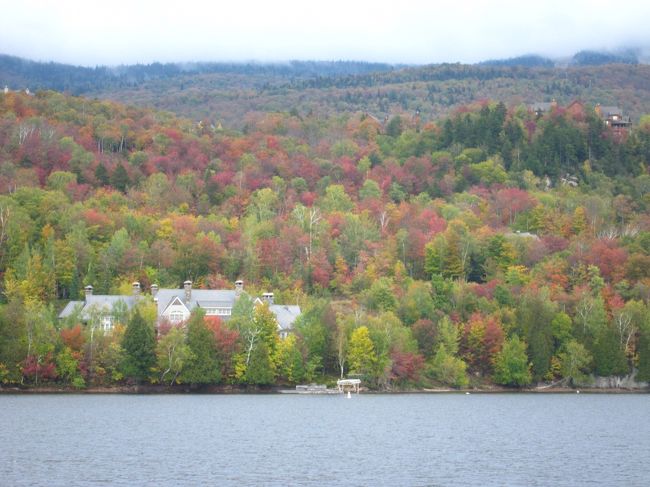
(492, 245)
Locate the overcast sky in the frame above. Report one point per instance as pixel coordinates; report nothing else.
(113, 32)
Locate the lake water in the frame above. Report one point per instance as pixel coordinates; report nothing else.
(368, 440)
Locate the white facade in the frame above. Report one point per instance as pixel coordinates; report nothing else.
(174, 306)
(176, 312)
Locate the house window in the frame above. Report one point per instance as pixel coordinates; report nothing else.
(218, 311)
(107, 322)
(176, 316)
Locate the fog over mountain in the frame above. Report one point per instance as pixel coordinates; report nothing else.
(93, 33)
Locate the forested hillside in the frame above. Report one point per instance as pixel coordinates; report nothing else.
(430, 91)
(227, 92)
(490, 246)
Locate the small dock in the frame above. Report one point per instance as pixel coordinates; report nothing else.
(310, 389)
(348, 385)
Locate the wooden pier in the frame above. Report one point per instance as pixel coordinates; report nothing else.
(348, 385)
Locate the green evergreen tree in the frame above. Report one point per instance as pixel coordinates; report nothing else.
(643, 351)
(202, 366)
(499, 252)
(13, 340)
(139, 345)
(433, 257)
(395, 126)
(120, 178)
(609, 357)
(574, 362)
(441, 291)
(101, 174)
(561, 327)
(260, 369)
(535, 314)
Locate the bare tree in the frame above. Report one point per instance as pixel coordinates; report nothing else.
(314, 217)
(5, 214)
(308, 219)
(584, 310)
(383, 220)
(624, 326)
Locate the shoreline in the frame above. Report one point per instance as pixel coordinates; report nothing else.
(146, 389)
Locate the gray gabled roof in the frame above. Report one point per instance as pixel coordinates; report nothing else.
(71, 308)
(104, 302)
(285, 315)
(225, 297)
(215, 304)
(541, 106)
(109, 300)
(611, 111)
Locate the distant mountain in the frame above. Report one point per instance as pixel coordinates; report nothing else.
(529, 61)
(599, 58)
(21, 73)
(228, 93)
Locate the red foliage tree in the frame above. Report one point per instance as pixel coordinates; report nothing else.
(406, 367)
(226, 343)
(39, 369)
(73, 337)
(608, 257)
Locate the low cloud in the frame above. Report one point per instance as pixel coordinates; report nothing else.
(125, 32)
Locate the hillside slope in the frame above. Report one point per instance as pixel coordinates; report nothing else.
(226, 93)
(496, 246)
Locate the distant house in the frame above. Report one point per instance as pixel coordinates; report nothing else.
(520, 234)
(175, 306)
(285, 314)
(101, 310)
(576, 109)
(26, 91)
(613, 117)
(540, 108)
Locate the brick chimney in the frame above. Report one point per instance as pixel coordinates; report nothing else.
(187, 285)
(88, 291)
(268, 298)
(136, 288)
(154, 291)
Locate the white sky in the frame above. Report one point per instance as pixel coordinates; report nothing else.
(91, 32)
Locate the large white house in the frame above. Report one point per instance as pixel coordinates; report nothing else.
(175, 305)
